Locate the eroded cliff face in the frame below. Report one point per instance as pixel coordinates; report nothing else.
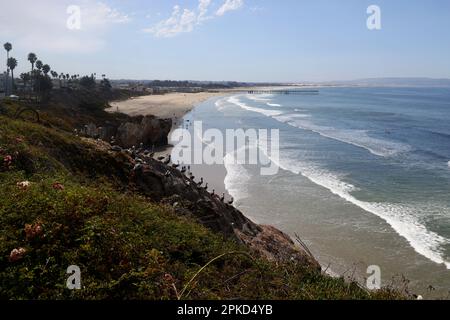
(149, 130)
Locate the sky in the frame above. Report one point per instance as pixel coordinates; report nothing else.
(224, 40)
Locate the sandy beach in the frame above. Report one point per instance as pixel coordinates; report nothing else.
(171, 105)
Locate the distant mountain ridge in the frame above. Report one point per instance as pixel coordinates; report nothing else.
(395, 82)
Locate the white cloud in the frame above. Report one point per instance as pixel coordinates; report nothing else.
(181, 20)
(229, 5)
(42, 25)
(185, 20)
(203, 6)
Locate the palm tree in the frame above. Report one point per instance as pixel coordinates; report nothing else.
(46, 69)
(32, 58)
(12, 64)
(8, 48)
(39, 65)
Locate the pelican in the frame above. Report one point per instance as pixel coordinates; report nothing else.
(176, 165)
(213, 193)
(206, 186)
(223, 197)
(231, 201)
(167, 161)
(183, 169)
(200, 183)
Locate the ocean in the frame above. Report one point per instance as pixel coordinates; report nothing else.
(364, 177)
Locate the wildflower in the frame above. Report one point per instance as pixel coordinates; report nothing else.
(17, 254)
(169, 278)
(58, 186)
(24, 185)
(7, 159)
(33, 230)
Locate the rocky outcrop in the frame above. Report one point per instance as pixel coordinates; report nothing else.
(149, 130)
(168, 185)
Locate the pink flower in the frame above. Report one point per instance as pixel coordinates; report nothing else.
(17, 254)
(58, 186)
(24, 185)
(33, 230)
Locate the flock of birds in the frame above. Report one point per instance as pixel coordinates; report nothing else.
(142, 156)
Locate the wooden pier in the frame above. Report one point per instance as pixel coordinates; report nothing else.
(283, 91)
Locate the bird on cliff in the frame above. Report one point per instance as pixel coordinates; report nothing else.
(167, 161)
(191, 176)
(223, 197)
(199, 184)
(206, 186)
(161, 158)
(231, 201)
(213, 193)
(176, 165)
(183, 169)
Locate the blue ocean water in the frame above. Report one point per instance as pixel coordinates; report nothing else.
(384, 151)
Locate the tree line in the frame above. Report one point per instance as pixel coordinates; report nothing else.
(39, 80)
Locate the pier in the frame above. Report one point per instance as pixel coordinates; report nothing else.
(284, 91)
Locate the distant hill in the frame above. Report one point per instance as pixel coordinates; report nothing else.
(395, 82)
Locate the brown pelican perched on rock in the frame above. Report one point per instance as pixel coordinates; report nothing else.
(116, 149)
(183, 169)
(222, 198)
(213, 193)
(176, 165)
(191, 176)
(231, 201)
(167, 161)
(200, 183)
(206, 186)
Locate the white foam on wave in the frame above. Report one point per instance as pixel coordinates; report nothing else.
(237, 177)
(221, 104)
(239, 103)
(260, 97)
(358, 138)
(402, 218)
(274, 105)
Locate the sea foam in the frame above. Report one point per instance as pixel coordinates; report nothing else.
(357, 138)
(402, 218)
